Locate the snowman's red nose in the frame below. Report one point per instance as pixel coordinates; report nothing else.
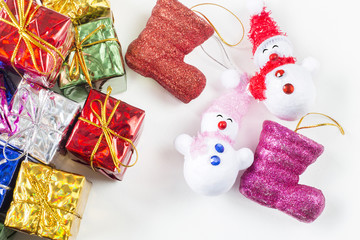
(273, 57)
(288, 88)
(222, 125)
(279, 73)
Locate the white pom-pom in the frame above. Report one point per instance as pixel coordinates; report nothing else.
(311, 64)
(255, 7)
(231, 78)
(182, 143)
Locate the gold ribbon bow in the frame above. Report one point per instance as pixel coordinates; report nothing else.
(107, 132)
(25, 35)
(41, 196)
(78, 60)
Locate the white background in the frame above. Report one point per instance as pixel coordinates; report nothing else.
(154, 202)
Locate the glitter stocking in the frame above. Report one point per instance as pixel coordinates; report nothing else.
(172, 32)
(281, 156)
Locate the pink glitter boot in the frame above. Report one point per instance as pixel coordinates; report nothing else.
(172, 32)
(281, 156)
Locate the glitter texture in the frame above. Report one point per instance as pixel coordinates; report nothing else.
(281, 156)
(172, 32)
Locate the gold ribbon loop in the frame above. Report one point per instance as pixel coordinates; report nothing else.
(78, 60)
(335, 123)
(107, 132)
(213, 26)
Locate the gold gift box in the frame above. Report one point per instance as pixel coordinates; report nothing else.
(80, 11)
(47, 202)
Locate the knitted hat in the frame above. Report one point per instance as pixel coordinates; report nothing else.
(257, 85)
(263, 27)
(234, 103)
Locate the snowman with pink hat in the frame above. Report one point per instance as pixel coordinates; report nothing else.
(211, 163)
(285, 87)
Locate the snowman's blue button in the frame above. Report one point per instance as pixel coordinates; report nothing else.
(219, 148)
(215, 160)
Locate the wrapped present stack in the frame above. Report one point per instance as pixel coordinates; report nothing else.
(95, 60)
(63, 44)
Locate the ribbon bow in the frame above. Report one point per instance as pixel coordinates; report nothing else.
(78, 60)
(42, 201)
(25, 35)
(34, 115)
(107, 132)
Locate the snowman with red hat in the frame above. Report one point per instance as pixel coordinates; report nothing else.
(211, 163)
(285, 87)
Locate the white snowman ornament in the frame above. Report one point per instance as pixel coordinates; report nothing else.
(286, 88)
(211, 163)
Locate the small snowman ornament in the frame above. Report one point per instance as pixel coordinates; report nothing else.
(285, 87)
(211, 163)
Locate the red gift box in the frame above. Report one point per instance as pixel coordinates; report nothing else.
(34, 39)
(106, 126)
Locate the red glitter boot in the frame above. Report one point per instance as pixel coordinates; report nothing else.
(172, 32)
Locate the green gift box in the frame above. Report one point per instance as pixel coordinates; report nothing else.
(96, 61)
(5, 233)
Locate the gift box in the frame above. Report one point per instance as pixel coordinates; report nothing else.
(5, 233)
(44, 120)
(96, 57)
(34, 39)
(105, 135)
(49, 202)
(8, 174)
(5, 96)
(80, 11)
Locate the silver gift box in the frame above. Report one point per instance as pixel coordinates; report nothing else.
(44, 120)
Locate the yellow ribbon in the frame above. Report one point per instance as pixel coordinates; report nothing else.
(335, 124)
(78, 60)
(25, 35)
(41, 195)
(213, 26)
(3, 88)
(107, 132)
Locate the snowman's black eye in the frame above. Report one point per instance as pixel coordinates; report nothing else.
(229, 119)
(275, 46)
(265, 50)
(219, 115)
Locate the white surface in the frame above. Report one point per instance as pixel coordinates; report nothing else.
(154, 202)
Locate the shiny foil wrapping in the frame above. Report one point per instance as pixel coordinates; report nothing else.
(273, 180)
(127, 122)
(45, 118)
(52, 27)
(47, 202)
(172, 32)
(5, 233)
(103, 61)
(80, 11)
(8, 173)
(5, 96)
